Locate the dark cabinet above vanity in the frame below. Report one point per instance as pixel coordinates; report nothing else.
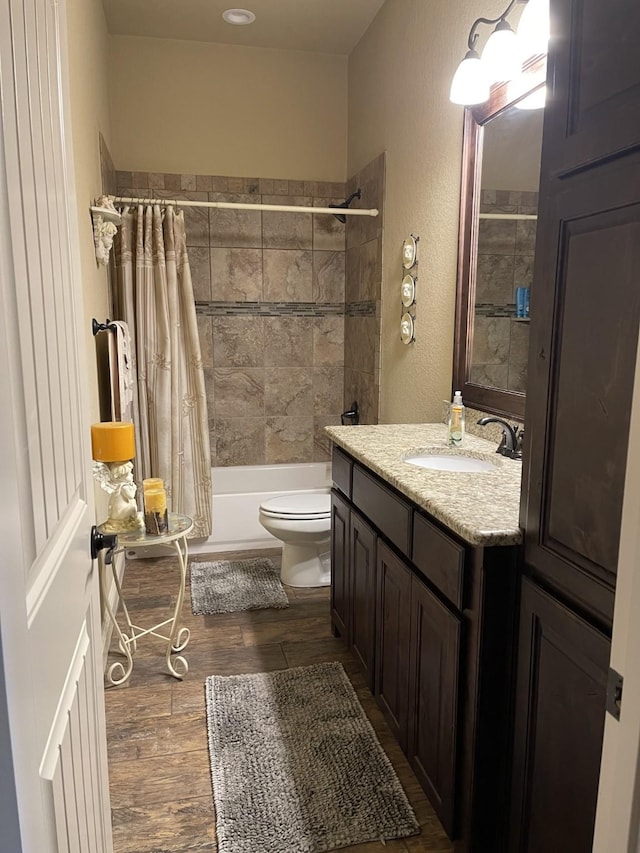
(431, 618)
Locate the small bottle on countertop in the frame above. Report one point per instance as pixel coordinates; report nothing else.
(456, 421)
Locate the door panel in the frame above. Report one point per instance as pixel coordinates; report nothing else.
(595, 110)
(584, 335)
(362, 545)
(560, 707)
(392, 666)
(433, 699)
(49, 601)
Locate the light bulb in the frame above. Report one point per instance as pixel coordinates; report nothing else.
(502, 54)
(533, 29)
(470, 84)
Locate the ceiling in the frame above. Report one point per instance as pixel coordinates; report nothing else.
(326, 26)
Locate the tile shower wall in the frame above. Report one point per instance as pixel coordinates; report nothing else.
(363, 293)
(505, 261)
(270, 291)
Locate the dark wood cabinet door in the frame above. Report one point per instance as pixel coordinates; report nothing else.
(559, 724)
(362, 553)
(433, 699)
(340, 575)
(594, 111)
(584, 336)
(392, 664)
(585, 304)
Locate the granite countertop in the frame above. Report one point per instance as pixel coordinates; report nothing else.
(480, 507)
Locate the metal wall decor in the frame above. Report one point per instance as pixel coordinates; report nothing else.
(407, 329)
(409, 252)
(408, 289)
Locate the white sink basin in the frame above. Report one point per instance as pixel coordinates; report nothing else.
(445, 462)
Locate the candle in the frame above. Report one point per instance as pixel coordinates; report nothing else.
(156, 519)
(155, 500)
(113, 441)
(152, 483)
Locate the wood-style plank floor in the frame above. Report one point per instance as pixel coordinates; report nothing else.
(156, 726)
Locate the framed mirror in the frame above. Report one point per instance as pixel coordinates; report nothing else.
(498, 212)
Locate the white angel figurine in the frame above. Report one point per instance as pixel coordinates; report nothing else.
(116, 479)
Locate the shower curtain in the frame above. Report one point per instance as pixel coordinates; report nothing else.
(154, 296)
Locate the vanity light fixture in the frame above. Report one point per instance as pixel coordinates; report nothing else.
(239, 17)
(504, 53)
(533, 29)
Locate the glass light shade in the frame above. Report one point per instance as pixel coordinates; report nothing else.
(470, 84)
(502, 54)
(533, 29)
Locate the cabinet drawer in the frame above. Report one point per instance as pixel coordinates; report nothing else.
(439, 558)
(341, 467)
(390, 514)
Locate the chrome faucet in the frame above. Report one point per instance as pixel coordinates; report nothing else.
(512, 437)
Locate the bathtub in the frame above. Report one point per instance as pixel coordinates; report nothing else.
(238, 492)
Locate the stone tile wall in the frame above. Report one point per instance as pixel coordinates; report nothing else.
(505, 261)
(363, 293)
(269, 291)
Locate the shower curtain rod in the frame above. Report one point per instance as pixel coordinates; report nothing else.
(281, 208)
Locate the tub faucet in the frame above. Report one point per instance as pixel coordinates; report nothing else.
(351, 416)
(512, 437)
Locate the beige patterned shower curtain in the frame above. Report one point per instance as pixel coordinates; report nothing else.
(154, 296)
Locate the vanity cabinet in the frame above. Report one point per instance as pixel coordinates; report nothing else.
(432, 621)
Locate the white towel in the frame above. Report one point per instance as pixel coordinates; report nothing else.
(126, 376)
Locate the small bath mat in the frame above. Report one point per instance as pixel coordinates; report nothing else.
(296, 765)
(226, 586)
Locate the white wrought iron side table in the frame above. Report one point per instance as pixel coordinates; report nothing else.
(174, 540)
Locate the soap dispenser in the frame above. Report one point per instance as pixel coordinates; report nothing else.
(456, 421)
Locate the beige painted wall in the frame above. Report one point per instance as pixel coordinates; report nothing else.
(399, 79)
(217, 109)
(88, 39)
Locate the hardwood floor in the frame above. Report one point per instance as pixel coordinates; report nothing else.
(156, 726)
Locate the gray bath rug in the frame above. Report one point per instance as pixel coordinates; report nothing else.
(226, 586)
(296, 766)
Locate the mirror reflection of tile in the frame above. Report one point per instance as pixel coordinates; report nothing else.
(506, 249)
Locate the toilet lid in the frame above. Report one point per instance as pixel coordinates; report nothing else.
(300, 505)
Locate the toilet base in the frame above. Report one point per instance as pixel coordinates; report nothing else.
(305, 566)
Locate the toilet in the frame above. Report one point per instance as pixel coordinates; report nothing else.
(302, 521)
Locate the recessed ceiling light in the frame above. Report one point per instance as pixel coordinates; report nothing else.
(239, 17)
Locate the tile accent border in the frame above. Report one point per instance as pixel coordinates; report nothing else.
(270, 309)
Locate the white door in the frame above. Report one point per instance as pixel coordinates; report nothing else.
(54, 789)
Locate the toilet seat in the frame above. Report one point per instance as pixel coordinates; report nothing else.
(298, 507)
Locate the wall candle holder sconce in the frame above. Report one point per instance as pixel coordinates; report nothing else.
(408, 289)
(105, 227)
(113, 447)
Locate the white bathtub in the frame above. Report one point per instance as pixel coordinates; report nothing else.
(238, 492)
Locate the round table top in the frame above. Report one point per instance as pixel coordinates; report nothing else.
(179, 526)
